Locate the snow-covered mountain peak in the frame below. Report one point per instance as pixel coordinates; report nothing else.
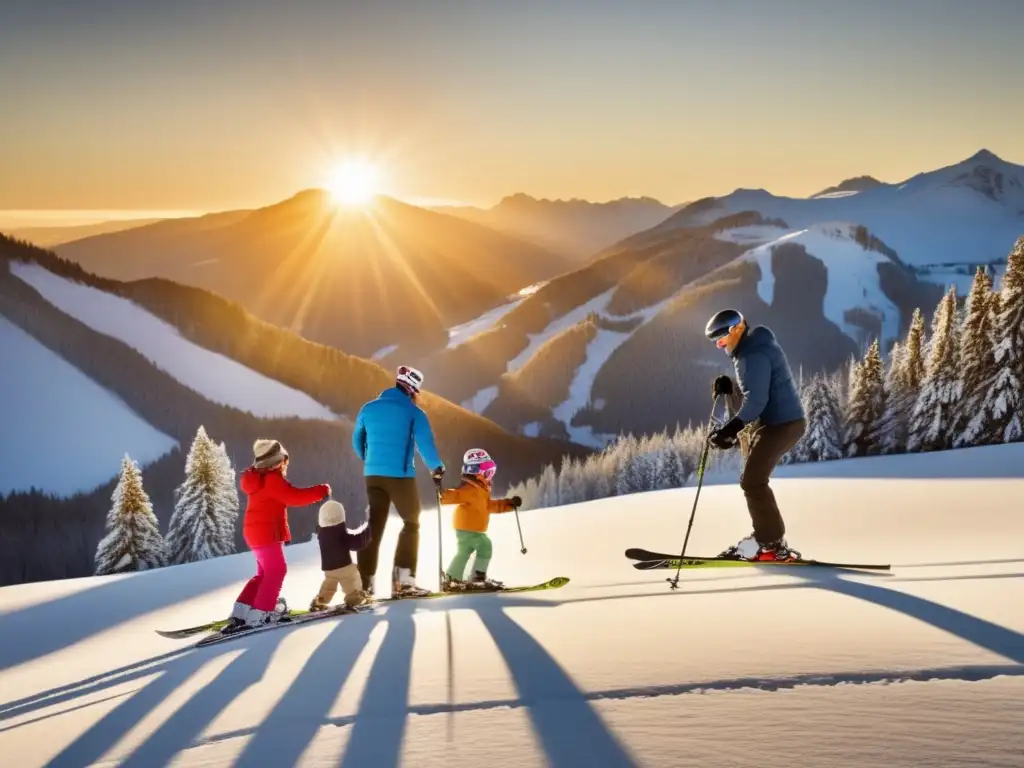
(984, 172)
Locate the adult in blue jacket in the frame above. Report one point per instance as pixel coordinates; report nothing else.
(388, 432)
(764, 392)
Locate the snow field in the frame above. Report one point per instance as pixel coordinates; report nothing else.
(53, 415)
(214, 376)
(614, 669)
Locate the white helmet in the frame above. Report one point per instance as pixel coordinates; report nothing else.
(409, 377)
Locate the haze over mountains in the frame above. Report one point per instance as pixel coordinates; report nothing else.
(577, 228)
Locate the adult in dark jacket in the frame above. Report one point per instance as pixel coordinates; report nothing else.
(765, 392)
(388, 432)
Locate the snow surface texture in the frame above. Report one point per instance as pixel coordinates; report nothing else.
(920, 666)
(853, 280)
(965, 213)
(53, 415)
(215, 377)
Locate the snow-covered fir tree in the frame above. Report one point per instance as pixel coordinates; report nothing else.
(903, 384)
(823, 440)
(134, 542)
(974, 421)
(866, 408)
(203, 524)
(1007, 391)
(934, 413)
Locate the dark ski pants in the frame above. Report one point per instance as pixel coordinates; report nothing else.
(381, 493)
(767, 446)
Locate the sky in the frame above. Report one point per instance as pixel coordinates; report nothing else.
(217, 104)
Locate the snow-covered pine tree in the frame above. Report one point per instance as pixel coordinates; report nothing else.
(977, 365)
(134, 542)
(671, 469)
(933, 415)
(1007, 391)
(547, 487)
(823, 440)
(203, 524)
(866, 408)
(892, 421)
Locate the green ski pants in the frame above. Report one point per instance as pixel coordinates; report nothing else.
(468, 543)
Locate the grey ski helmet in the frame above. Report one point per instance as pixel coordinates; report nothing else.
(718, 326)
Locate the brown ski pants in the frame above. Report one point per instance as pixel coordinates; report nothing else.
(762, 447)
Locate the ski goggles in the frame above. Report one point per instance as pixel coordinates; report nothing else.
(486, 468)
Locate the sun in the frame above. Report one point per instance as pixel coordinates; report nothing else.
(354, 183)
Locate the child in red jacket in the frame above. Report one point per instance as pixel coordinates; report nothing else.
(265, 528)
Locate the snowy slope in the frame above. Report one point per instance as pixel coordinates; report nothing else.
(215, 377)
(920, 666)
(965, 213)
(853, 279)
(53, 415)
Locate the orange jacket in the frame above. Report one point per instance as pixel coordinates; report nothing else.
(475, 505)
(266, 512)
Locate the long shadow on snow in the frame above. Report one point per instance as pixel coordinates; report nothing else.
(180, 730)
(983, 633)
(293, 723)
(70, 619)
(568, 728)
(379, 728)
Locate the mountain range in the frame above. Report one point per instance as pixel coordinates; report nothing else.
(617, 344)
(359, 280)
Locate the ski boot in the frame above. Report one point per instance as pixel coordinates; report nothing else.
(403, 584)
(317, 605)
(482, 583)
(450, 584)
(777, 551)
(750, 549)
(237, 618)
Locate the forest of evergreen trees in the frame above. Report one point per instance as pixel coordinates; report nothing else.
(959, 385)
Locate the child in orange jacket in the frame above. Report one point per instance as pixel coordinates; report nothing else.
(471, 520)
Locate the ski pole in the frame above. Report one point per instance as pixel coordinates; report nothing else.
(521, 544)
(674, 583)
(440, 557)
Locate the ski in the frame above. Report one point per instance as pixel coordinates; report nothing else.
(649, 561)
(555, 583)
(305, 617)
(300, 616)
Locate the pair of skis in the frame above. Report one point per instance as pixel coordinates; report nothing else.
(650, 561)
(298, 617)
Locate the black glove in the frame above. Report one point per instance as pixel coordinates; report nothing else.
(724, 437)
(516, 502)
(722, 385)
(437, 474)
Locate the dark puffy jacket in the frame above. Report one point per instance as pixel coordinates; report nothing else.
(765, 380)
(337, 543)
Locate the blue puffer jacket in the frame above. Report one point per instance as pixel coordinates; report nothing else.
(388, 430)
(765, 380)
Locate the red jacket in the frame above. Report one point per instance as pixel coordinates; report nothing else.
(266, 513)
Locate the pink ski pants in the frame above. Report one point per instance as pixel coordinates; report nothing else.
(262, 590)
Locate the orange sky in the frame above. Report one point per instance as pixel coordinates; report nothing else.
(211, 106)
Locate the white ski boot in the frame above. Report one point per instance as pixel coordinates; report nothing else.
(403, 584)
